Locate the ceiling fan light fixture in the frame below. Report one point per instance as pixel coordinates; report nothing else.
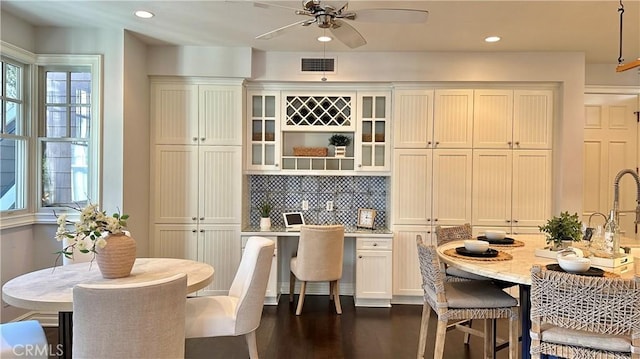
(492, 39)
(324, 38)
(143, 14)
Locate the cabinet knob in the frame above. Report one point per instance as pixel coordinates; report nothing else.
(428, 219)
(359, 166)
(429, 143)
(515, 221)
(202, 231)
(509, 143)
(276, 165)
(202, 218)
(202, 139)
(518, 143)
(193, 230)
(193, 218)
(508, 221)
(360, 257)
(435, 220)
(375, 244)
(195, 139)
(437, 143)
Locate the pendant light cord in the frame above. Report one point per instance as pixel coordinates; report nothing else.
(621, 11)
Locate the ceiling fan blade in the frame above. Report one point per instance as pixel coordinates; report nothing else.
(347, 34)
(411, 16)
(266, 5)
(282, 30)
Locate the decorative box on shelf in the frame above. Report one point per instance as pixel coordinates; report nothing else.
(310, 151)
(623, 260)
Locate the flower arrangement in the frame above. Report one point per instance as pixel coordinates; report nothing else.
(93, 224)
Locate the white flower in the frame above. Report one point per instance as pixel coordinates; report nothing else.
(81, 245)
(62, 220)
(101, 243)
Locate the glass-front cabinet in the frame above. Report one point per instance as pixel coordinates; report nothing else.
(372, 143)
(296, 130)
(263, 114)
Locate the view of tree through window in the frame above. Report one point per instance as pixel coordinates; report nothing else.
(13, 139)
(65, 138)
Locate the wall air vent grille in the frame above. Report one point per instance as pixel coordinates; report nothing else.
(317, 65)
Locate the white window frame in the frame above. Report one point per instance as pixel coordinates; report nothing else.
(94, 62)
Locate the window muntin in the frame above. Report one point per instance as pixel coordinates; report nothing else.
(65, 146)
(13, 137)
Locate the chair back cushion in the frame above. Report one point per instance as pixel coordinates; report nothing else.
(320, 253)
(250, 283)
(130, 320)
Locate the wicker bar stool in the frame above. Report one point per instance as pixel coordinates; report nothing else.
(576, 316)
(461, 301)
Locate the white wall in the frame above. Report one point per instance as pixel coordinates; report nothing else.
(17, 32)
(606, 75)
(199, 61)
(136, 136)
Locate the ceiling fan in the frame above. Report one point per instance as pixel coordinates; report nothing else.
(329, 17)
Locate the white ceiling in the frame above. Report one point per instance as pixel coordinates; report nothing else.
(591, 27)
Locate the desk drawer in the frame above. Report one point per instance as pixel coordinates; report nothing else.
(373, 243)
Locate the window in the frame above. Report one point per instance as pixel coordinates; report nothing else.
(14, 138)
(65, 136)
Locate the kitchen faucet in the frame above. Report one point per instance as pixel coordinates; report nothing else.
(616, 194)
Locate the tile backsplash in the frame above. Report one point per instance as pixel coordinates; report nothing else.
(348, 193)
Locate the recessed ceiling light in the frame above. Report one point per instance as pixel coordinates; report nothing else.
(144, 14)
(492, 39)
(324, 38)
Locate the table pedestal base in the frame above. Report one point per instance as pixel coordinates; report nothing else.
(65, 333)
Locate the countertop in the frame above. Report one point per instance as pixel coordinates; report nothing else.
(349, 231)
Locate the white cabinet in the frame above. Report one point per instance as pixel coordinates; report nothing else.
(453, 118)
(407, 280)
(216, 245)
(196, 182)
(373, 272)
(511, 189)
(185, 113)
(432, 187)
(518, 119)
(263, 129)
(372, 146)
(272, 294)
(413, 118)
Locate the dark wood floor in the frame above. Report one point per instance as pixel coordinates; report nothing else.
(319, 333)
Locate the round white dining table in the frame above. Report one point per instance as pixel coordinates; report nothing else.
(516, 270)
(51, 289)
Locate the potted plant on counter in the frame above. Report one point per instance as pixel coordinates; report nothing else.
(340, 142)
(265, 219)
(560, 229)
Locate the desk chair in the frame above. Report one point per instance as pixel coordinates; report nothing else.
(319, 259)
(461, 301)
(240, 312)
(130, 320)
(575, 316)
(24, 339)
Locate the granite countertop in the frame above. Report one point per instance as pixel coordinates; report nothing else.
(350, 231)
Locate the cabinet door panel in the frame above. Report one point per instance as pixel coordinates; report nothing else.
(453, 119)
(175, 113)
(220, 115)
(220, 184)
(413, 119)
(491, 188)
(412, 187)
(221, 247)
(175, 184)
(531, 187)
(452, 187)
(373, 276)
(532, 119)
(492, 118)
(407, 279)
(175, 241)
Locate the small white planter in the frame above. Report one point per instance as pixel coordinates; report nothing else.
(265, 223)
(341, 151)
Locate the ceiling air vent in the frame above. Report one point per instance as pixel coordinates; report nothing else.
(318, 65)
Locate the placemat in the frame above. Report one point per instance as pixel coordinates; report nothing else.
(602, 272)
(502, 256)
(516, 243)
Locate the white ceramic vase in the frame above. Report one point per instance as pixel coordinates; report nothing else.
(265, 223)
(341, 151)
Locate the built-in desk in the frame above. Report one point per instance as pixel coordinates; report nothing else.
(367, 267)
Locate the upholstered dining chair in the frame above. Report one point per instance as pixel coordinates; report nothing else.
(460, 301)
(130, 320)
(23, 339)
(319, 259)
(238, 313)
(576, 316)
